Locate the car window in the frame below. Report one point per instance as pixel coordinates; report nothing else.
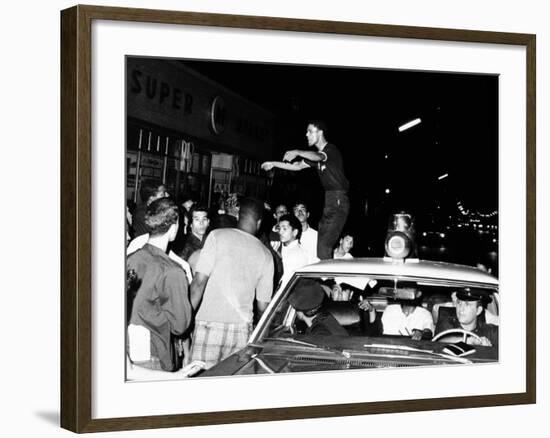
(344, 295)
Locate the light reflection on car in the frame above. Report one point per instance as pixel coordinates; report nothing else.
(280, 344)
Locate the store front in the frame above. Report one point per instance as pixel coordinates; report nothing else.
(193, 135)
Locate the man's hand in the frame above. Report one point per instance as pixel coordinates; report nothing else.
(366, 305)
(416, 335)
(275, 244)
(290, 155)
(267, 165)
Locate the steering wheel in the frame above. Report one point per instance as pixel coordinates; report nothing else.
(454, 331)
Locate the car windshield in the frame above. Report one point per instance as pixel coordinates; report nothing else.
(392, 310)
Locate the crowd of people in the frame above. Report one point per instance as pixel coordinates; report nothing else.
(198, 280)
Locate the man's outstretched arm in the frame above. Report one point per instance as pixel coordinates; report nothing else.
(308, 155)
(268, 165)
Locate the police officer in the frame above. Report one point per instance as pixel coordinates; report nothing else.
(307, 299)
(469, 315)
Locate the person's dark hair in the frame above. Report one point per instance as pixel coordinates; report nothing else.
(251, 208)
(198, 208)
(299, 202)
(148, 189)
(293, 222)
(346, 233)
(320, 125)
(161, 215)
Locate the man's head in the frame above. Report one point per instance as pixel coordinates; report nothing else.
(470, 303)
(162, 217)
(307, 298)
(199, 220)
(290, 229)
(152, 190)
(251, 212)
(346, 242)
(280, 210)
(316, 132)
(301, 212)
(414, 300)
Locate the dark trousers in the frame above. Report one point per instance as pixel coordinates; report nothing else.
(335, 214)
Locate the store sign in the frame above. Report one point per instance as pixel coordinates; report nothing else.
(170, 95)
(162, 92)
(222, 161)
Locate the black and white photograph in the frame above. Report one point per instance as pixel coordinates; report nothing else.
(287, 218)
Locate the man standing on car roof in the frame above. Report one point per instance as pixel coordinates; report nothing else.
(328, 162)
(470, 307)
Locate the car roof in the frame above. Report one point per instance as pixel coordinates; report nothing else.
(410, 268)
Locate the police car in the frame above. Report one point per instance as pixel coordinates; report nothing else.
(361, 295)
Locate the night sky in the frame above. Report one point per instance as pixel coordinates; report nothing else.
(363, 109)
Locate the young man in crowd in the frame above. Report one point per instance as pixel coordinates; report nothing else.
(158, 294)
(280, 211)
(308, 240)
(292, 253)
(328, 162)
(234, 271)
(197, 231)
(342, 251)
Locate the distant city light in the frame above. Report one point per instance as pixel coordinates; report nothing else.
(386, 156)
(443, 176)
(387, 191)
(409, 125)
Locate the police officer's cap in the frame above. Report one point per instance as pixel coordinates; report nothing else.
(472, 294)
(308, 295)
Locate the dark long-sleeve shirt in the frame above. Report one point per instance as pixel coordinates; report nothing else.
(324, 324)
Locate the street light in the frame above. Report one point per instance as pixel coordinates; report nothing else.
(409, 124)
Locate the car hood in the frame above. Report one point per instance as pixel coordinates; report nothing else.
(336, 353)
